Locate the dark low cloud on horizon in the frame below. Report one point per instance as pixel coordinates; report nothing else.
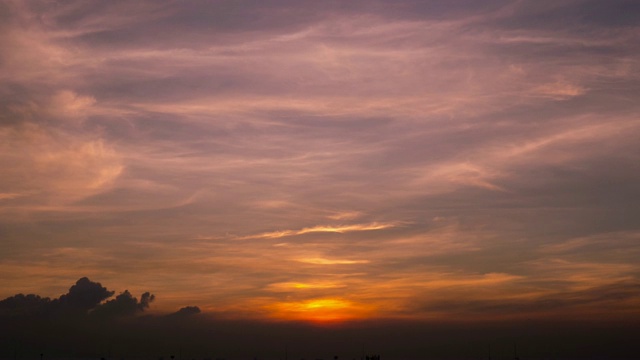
(86, 300)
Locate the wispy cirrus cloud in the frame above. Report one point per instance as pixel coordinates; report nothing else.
(323, 261)
(323, 229)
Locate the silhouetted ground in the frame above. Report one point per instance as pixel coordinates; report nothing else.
(152, 338)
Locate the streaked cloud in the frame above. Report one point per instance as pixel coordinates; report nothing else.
(322, 261)
(10, 195)
(560, 90)
(323, 229)
(56, 167)
(295, 286)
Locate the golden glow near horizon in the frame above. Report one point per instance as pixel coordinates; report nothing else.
(418, 160)
(319, 310)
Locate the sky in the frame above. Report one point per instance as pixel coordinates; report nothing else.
(325, 161)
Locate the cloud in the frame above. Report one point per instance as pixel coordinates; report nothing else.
(84, 301)
(596, 243)
(323, 261)
(22, 305)
(185, 312)
(83, 296)
(345, 215)
(69, 106)
(560, 90)
(588, 303)
(322, 229)
(126, 129)
(49, 168)
(294, 286)
(7, 196)
(124, 304)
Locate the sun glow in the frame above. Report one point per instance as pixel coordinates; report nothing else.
(320, 310)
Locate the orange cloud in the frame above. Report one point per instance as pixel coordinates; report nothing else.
(323, 261)
(293, 286)
(321, 229)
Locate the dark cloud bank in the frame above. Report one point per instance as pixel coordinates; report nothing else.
(89, 322)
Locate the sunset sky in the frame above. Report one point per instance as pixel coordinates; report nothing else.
(325, 160)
